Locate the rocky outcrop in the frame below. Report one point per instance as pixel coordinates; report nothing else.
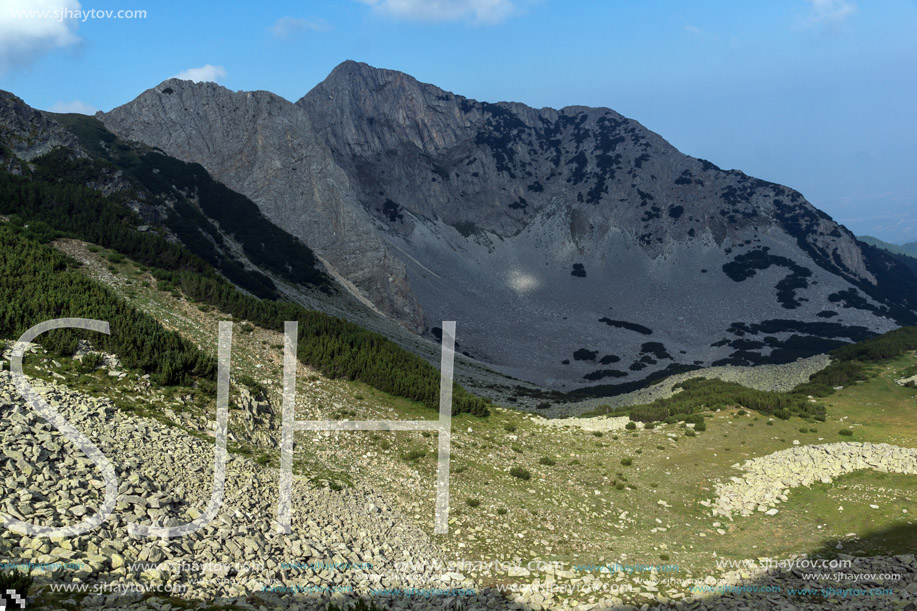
(28, 132)
(258, 420)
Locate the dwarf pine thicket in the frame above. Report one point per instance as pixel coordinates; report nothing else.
(37, 283)
(849, 365)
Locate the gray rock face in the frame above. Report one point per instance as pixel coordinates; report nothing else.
(262, 146)
(444, 157)
(29, 133)
(574, 247)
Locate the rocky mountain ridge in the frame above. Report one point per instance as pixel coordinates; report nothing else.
(561, 240)
(256, 143)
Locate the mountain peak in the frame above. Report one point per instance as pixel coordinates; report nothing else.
(206, 100)
(352, 78)
(8, 97)
(350, 65)
(176, 84)
(350, 68)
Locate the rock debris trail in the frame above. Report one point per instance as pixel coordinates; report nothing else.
(768, 478)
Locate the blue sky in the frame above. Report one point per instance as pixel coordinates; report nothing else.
(815, 94)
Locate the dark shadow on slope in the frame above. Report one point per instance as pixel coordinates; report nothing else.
(854, 592)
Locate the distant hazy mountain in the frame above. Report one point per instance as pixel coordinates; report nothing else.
(574, 247)
(906, 254)
(909, 249)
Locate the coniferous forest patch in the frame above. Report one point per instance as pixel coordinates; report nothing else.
(585, 355)
(747, 265)
(604, 373)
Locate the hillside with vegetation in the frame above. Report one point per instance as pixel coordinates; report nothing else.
(52, 200)
(638, 493)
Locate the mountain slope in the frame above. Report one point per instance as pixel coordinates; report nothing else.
(69, 192)
(200, 212)
(258, 144)
(575, 248)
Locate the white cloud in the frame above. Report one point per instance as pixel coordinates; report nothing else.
(31, 28)
(829, 13)
(290, 26)
(77, 106)
(693, 30)
(204, 74)
(476, 11)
